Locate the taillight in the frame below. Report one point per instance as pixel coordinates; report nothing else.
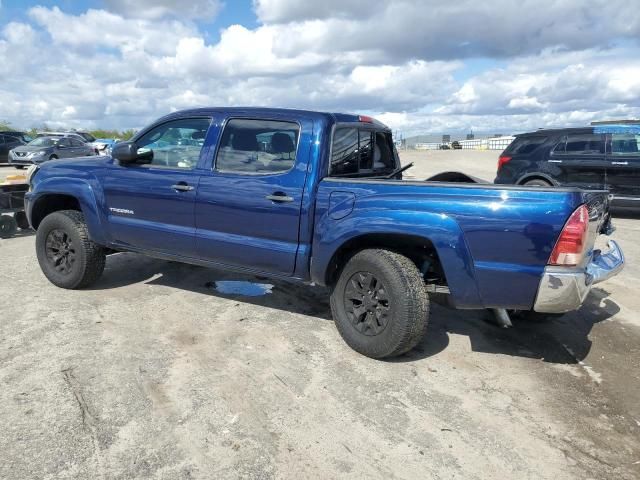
(365, 119)
(570, 247)
(502, 160)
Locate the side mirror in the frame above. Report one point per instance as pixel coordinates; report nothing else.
(128, 152)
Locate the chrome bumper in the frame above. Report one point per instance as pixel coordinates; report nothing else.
(562, 290)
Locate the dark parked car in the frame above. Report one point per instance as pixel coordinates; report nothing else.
(19, 135)
(456, 145)
(602, 157)
(42, 149)
(7, 142)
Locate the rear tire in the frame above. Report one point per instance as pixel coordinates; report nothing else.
(67, 257)
(8, 226)
(537, 182)
(19, 167)
(380, 304)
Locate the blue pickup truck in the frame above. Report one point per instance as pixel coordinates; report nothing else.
(319, 198)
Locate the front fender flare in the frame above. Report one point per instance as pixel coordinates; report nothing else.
(79, 189)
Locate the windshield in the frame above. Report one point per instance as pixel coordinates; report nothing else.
(43, 142)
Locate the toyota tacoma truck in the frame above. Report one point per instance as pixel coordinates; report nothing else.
(319, 198)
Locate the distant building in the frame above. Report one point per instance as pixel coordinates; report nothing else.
(470, 136)
(446, 138)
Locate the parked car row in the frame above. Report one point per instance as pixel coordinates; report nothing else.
(603, 157)
(20, 150)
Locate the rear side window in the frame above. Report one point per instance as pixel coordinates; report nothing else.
(588, 144)
(359, 152)
(525, 145)
(625, 144)
(258, 146)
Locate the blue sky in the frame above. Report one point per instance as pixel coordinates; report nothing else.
(422, 66)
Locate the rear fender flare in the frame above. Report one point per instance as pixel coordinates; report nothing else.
(440, 230)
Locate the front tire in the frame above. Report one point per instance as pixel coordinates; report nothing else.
(19, 167)
(380, 304)
(67, 257)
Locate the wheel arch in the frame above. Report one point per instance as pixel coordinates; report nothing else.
(61, 194)
(537, 176)
(417, 249)
(431, 236)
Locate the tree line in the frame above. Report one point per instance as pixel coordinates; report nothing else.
(98, 133)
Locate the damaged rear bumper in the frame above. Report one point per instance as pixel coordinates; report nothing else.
(562, 290)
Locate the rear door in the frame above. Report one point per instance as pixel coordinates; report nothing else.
(78, 148)
(581, 160)
(248, 206)
(64, 148)
(623, 170)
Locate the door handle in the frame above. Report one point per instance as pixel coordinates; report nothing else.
(619, 163)
(182, 187)
(279, 197)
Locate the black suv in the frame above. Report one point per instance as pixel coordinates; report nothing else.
(8, 141)
(602, 157)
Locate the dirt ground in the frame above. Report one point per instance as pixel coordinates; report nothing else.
(155, 373)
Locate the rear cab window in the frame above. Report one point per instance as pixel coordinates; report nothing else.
(362, 152)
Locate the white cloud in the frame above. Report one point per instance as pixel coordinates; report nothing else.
(432, 29)
(562, 63)
(155, 9)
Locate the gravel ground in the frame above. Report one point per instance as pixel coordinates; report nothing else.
(153, 373)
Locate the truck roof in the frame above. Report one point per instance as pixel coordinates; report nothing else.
(332, 117)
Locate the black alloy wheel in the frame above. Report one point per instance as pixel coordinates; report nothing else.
(366, 303)
(60, 251)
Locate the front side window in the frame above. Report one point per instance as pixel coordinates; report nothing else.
(175, 144)
(359, 152)
(76, 143)
(588, 144)
(43, 142)
(625, 144)
(257, 146)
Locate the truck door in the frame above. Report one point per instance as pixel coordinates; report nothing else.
(248, 205)
(581, 159)
(151, 206)
(623, 169)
